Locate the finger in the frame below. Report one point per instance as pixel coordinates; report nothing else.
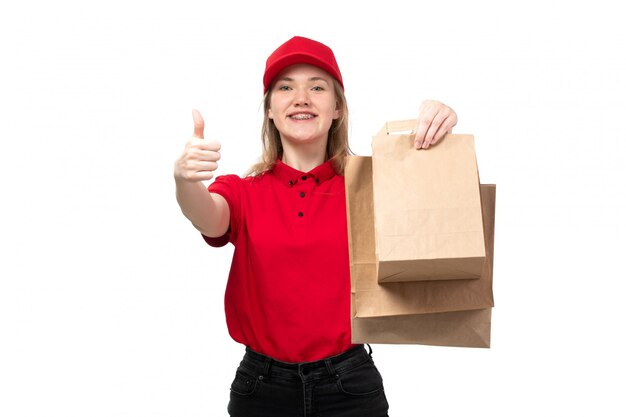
(213, 145)
(198, 124)
(194, 170)
(447, 125)
(198, 154)
(445, 128)
(202, 166)
(207, 145)
(424, 121)
(434, 130)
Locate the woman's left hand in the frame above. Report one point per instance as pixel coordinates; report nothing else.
(434, 121)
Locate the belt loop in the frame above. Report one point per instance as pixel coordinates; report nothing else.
(329, 367)
(370, 349)
(267, 363)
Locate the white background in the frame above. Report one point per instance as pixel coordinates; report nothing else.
(112, 305)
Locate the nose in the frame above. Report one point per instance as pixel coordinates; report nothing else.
(302, 97)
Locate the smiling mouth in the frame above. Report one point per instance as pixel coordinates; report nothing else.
(302, 116)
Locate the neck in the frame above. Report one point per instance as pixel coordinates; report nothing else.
(304, 158)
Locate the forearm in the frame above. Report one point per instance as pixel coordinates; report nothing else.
(207, 212)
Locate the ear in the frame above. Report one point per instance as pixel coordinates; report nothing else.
(270, 114)
(336, 112)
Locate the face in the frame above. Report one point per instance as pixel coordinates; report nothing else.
(303, 105)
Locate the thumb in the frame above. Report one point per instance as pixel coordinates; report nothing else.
(198, 124)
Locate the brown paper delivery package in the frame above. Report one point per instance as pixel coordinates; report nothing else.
(444, 313)
(427, 213)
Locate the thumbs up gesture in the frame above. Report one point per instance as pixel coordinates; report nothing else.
(199, 158)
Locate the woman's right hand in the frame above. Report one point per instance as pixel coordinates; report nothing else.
(199, 158)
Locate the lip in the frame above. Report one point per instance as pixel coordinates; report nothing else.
(291, 115)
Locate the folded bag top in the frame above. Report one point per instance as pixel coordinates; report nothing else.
(427, 207)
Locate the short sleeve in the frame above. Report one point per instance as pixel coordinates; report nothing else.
(230, 187)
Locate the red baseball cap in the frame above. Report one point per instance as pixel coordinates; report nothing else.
(299, 50)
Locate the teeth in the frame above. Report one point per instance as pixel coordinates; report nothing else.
(302, 116)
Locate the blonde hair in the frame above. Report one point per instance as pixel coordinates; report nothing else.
(337, 147)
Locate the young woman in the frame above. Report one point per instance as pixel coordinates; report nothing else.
(288, 293)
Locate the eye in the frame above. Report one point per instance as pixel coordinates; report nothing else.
(284, 87)
(318, 88)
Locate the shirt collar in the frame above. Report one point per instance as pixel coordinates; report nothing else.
(290, 176)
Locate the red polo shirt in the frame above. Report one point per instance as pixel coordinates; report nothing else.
(288, 292)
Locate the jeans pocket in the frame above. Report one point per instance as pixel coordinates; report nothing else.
(244, 383)
(362, 380)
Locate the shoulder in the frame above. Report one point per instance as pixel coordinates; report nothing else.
(228, 179)
(233, 182)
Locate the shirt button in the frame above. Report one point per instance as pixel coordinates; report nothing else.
(302, 194)
(290, 183)
(317, 180)
(300, 214)
(304, 177)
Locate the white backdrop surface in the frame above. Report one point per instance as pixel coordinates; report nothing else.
(112, 305)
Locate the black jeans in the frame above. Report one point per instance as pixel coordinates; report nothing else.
(345, 385)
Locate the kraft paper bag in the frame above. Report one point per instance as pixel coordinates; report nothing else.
(447, 313)
(471, 328)
(427, 210)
